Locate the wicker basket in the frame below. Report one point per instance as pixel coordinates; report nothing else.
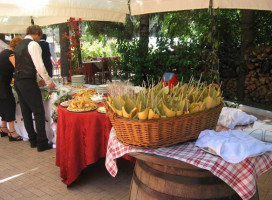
(162, 132)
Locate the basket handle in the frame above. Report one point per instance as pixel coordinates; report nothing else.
(216, 86)
(110, 112)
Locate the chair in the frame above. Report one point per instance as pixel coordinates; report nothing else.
(105, 74)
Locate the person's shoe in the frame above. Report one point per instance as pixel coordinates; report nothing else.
(33, 145)
(3, 134)
(17, 138)
(45, 147)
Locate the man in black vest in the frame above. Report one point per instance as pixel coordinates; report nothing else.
(47, 53)
(28, 62)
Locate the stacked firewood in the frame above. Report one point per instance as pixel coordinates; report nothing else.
(229, 88)
(258, 86)
(258, 82)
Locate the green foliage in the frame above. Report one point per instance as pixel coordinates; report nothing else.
(186, 24)
(95, 47)
(112, 29)
(46, 95)
(63, 98)
(181, 59)
(263, 27)
(207, 41)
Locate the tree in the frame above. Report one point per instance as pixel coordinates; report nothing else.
(247, 38)
(143, 44)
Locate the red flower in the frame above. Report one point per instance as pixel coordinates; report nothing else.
(74, 47)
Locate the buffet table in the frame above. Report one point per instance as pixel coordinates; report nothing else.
(82, 139)
(240, 177)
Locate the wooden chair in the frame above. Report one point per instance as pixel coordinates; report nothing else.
(105, 74)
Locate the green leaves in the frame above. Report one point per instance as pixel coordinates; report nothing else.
(62, 99)
(46, 95)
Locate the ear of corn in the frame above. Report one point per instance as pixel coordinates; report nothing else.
(161, 102)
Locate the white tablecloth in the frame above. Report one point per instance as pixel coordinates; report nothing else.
(50, 126)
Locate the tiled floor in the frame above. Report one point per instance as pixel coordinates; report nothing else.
(26, 174)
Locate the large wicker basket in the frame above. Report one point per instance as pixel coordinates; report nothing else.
(162, 132)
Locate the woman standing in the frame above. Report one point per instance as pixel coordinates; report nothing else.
(7, 101)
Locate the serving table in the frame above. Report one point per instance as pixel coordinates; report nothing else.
(81, 140)
(240, 177)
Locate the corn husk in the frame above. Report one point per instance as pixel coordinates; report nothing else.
(160, 101)
(129, 109)
(168, 112)
(152, 114)
(118, 102)
(130, 114)
(209, 102)
(143, 115)
(196, 107)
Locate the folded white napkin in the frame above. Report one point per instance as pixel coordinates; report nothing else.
(261, 131)
(231, 117)
(233, 145)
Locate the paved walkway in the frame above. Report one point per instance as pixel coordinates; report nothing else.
(26, 174)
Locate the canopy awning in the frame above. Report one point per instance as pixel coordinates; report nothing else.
(47, 12)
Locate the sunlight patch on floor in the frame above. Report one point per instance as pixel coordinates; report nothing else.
(16, 175)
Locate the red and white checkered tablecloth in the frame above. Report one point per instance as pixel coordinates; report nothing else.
(241, 177)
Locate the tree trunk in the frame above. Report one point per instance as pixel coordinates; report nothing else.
(144, 40)
(247, 40)
(64, 48)
(79, 56)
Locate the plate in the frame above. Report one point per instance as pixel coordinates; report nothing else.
(44, 87)
(79, 86)
(210, 151)
(101, 110)
(81, 110)
(65, 103)
(97, 98)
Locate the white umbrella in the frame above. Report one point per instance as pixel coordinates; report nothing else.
(243, 4)
(102, 10)
(116, 10)
(139, 7)
(15, 15)
(18, 24)
(46, 12)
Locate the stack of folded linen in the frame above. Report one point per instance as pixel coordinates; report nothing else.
(233, 145)
(261, 131)
(231, 117)
(102, 89)
(78, 80)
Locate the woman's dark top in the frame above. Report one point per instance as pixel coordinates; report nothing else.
(6, 73)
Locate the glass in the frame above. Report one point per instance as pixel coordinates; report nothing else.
(65, 80)
(60, 80)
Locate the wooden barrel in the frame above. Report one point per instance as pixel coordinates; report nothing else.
(176, 180)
